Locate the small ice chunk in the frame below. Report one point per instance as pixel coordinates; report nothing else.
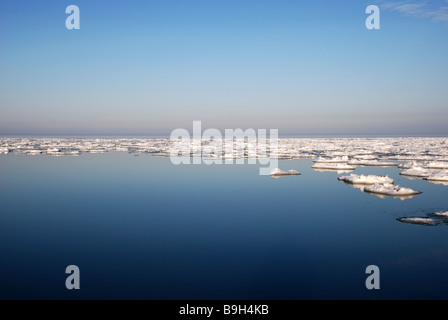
(419, 220)
(33, 152)
(97, 150)
(279, 172)
(53, 151)
(333, 166)
(369, 179)
(390, 190)
(442, 213)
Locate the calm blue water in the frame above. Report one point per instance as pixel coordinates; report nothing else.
(139, 227)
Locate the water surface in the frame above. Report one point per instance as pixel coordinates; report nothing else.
(139, 227)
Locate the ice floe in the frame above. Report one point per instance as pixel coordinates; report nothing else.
(332, 166)
(343, 159)
(389, 189)
(369, 179)
(372, 163)
(419, 220)
(34, 152)
(441, 176)
(418, 172)
(408, 165)
(436, 165)
(278, 172)
(365, 157)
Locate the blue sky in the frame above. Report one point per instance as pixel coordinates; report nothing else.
(148, 67)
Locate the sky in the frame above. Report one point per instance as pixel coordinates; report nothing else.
(149, 67)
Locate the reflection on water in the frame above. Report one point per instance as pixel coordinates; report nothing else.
(419, 220)
(143, 228)
(444, 183)
(385, 196)
(282, 176)
(355, 186)
(379, 195)
(412, 177)
(332, 170)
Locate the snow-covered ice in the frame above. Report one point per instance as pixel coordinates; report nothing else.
(333, 166)
(343, 159)
(418, 172)
(419, 220)
(278, 172)
(369, 179)
(436, 165)
(365, 157)
(372, 163)
(409, 165)
(333, 150)
(390, 190)
(441, 176)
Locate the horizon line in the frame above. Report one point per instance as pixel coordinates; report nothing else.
(292, 135)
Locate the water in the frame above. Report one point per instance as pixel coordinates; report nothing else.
(139, 227)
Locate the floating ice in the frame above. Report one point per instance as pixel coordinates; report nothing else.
(442, 214)
(333, 166)
(441, 176)
(419, 220)
(390, 190)
(365, 157)
(436, 165)
(409, 165)
(372, 163)
(362, 179)
(53, 151)
(33, 152)
(328, 150)
(418, 172)
(278, 172)
(97, 150)
(342, 159)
